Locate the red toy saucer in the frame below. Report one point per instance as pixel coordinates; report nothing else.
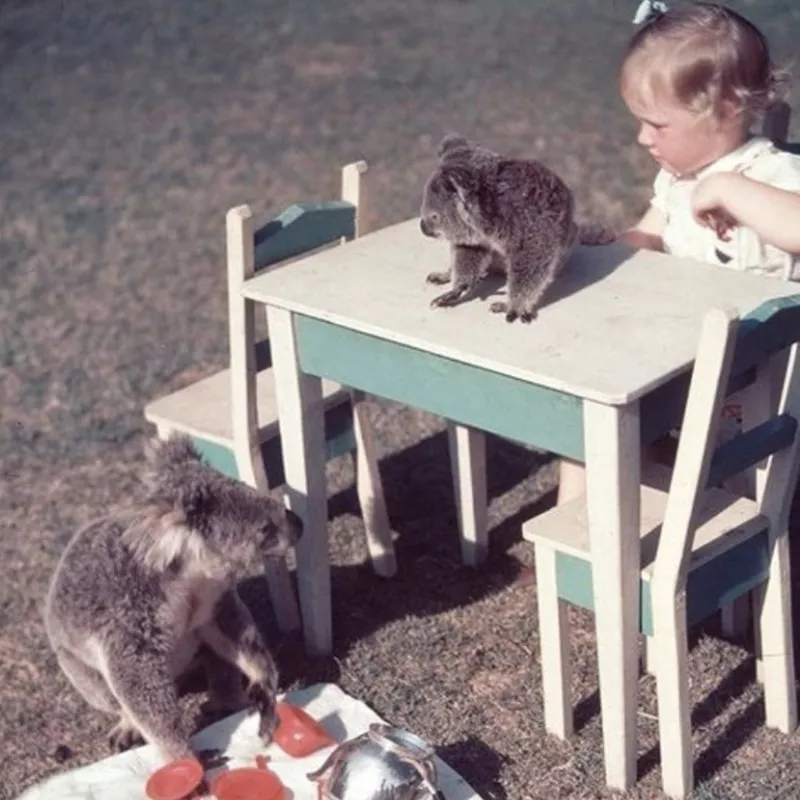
(248, 783)
(178, 780)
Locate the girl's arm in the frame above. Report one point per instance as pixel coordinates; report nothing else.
(772, 213)
(647, 232)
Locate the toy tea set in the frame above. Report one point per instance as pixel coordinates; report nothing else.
(385, 763)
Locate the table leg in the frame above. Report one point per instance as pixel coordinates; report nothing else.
(301, 417)
(613, 464)
(369, 489)
(468, 463)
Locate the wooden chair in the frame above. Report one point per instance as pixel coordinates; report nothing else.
(701, 547)
(232, 414)
(776, 121)
(775, 126)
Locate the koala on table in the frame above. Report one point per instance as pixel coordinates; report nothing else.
(136, 593)
(505, 214)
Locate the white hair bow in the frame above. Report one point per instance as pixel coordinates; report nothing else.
(648, 9)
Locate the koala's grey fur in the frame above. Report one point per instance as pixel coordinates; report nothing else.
(137, 592)
(514, 215)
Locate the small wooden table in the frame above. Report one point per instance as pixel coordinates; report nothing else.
(618, 325)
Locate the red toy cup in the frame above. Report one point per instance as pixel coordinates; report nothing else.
(298, 734)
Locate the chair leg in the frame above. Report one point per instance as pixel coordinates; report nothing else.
(672, 686)
(735, 617)
(553, 646)
(467, 448)
(163, 431)
(370, 491)
(757, 598)
(282, 595)
(777, 652)
(649, 658)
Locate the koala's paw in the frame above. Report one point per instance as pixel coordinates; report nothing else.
(264, 704)
(447, 299)
(596, 234)
(438, 278)
(212, 758)
(123, 736)
(503, 308)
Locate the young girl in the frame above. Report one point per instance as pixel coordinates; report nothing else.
(696, 78)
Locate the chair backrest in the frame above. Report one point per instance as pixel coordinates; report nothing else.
(762, 342)
(775, 124)
(300, 229)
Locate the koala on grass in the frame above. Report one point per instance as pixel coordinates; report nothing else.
(500, 214)
(137, 592)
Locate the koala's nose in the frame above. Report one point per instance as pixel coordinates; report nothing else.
(294, 524)
(425, 227)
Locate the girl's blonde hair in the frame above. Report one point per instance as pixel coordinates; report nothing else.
(702, 55)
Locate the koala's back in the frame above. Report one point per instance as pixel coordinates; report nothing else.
(518, 196)
(98, 586)
(528, 190)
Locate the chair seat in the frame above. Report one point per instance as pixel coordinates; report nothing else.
(730, 554)
(203, 409)
(726, 520)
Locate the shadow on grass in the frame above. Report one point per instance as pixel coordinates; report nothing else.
(731, 737)
(474, 758)
(726, 741)
(430, 578)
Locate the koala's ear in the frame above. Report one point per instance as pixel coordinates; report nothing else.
(464, 182)
(173, 450)
(158, 540)
(193, 497)
(162, 455)
(452, 141)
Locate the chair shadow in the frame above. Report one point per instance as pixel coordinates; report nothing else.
(733, 736)
(418, 483)
(736, 732)
(430, 578)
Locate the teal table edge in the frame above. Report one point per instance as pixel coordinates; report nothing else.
(464, 393)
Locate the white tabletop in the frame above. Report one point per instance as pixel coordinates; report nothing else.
(616, 323)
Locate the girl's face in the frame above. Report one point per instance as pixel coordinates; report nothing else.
(679, 139)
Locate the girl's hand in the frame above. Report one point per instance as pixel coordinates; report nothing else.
(708, 204)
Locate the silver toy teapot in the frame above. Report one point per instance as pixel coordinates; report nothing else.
(385, 763)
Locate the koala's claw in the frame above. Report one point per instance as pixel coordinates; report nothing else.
(438, 278)
(264, 704)
(502, 308)
(212, 758)
(123, 736)
(447, 299)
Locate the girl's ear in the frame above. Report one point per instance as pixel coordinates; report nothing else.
(731, 114)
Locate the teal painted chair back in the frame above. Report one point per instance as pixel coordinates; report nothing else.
(760, 349)
(299, 230)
